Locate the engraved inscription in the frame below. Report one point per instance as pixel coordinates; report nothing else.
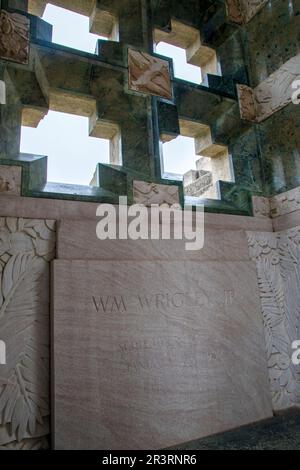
(158, 301)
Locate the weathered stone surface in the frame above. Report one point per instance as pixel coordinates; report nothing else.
(277, 259)
(242, 11)
(10, 179)
(26, 247)
(247, 103)
(285, 203)
(149, 74)
(153, 193)
(279, 205)
(136, 375)
(14, 37)
(261, 206)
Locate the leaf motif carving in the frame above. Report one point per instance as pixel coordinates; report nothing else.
(277, 258)
(24, 325)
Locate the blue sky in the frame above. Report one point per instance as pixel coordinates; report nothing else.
(72, 154)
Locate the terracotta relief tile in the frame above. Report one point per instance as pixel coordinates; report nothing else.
(149, 74)
(152, 193)
(14, 37)
(247, 103)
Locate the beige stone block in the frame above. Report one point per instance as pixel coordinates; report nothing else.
(77, 240)
(60, 209)
(150, 354)
(261, 206)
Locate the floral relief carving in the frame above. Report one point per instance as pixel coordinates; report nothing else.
(26, 247)
(14, 37)
(277, 257)
(149, 74)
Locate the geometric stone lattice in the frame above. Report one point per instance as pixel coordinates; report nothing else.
(26, 247)
(277, 257)
(149, 74)
(14, 37)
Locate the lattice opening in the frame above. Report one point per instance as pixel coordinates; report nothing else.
(197, 160)
(197, 54)
(71, 29)
(72, 153)
(182, 69)
(77, 24)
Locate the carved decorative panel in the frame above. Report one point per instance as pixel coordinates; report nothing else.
(152, 193)
(149, 74)
(270, 95)
(277, 257)
(14, 37)
(26, 247)
(285, 203)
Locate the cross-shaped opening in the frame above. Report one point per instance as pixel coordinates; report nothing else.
(72, 154)
(70, 29)
(194, 158)
(72, 137)
(182, 40)
(77, 24)
(182, 69)
(70, 134)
